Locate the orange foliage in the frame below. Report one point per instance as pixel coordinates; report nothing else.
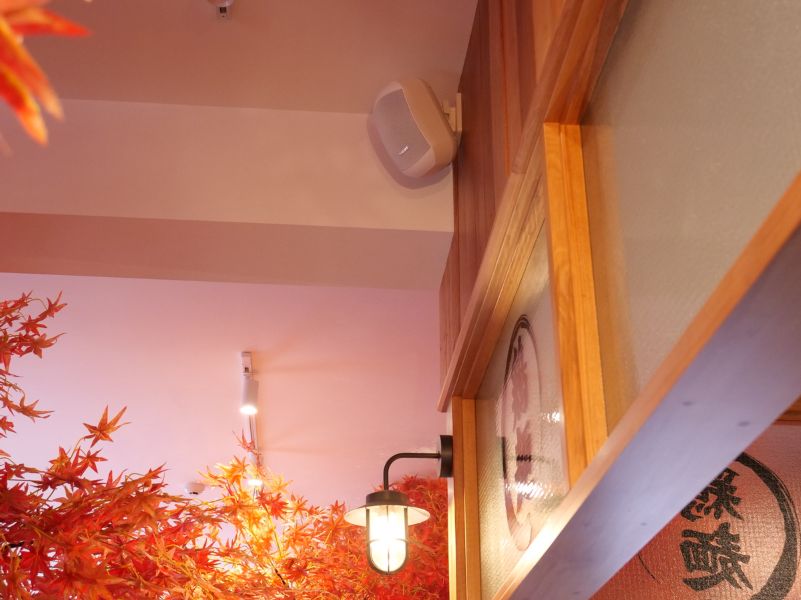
(66, 532)
(23, 85)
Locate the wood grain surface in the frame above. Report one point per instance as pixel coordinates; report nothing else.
(574, 296)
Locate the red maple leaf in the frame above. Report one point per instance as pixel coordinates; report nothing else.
(103, 430)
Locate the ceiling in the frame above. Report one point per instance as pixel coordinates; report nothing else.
(254, 195)
(320, 55)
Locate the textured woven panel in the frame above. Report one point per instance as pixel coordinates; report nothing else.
(745, 546)
(520, 429)
(693, 135)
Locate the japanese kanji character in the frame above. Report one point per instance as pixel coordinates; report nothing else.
(723, 491)
(717, 554)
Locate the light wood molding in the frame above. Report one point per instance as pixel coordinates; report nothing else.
(456, 519)
(463, 547)
(733, 371)
(573, 289)
(455, 567)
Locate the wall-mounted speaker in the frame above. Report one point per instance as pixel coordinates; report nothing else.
(419, 134)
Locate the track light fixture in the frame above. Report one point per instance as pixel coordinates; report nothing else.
(387, 514)
(250, 387)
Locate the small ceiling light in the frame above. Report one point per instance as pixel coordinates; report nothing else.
(195, 488)
(255, 482)
(250, 387)
(387, 514)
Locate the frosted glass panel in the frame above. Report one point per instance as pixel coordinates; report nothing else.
(692, 136)
(522, 464)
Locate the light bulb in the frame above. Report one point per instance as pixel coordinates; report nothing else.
(387, 516)
(386, 531)
(250, 396)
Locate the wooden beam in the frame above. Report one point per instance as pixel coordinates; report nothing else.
(582, 37)
(572, 66)
(732, 373)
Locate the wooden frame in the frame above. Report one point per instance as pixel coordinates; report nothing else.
(581, 41)
(651, 464)
(558, 202)
(589, 537)
(699, 399)
(562, 282)
(465, 566)
(582, 36)
(574, 296)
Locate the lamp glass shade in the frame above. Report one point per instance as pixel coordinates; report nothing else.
(387, 516)
(250, 396)
(387, 539)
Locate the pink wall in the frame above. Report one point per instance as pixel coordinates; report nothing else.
(348, 376)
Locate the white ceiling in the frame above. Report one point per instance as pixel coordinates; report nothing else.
(322, 55)
(220, 194)
(180, 118)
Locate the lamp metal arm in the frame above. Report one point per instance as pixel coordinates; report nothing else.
(395, 457)
(445, 457)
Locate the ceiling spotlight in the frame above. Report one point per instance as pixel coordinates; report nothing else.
(387, 514)
(250, 387)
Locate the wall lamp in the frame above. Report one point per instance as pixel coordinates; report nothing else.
(250, 408)
(250, 387)
(387, 514)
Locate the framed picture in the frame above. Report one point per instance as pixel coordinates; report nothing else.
(538, 410)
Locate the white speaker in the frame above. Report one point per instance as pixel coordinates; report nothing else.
(419, 134)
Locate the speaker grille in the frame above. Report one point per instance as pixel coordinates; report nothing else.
(398, 131)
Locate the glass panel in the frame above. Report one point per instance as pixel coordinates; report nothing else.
(693, 134)
(386, 530)
(522, 461)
